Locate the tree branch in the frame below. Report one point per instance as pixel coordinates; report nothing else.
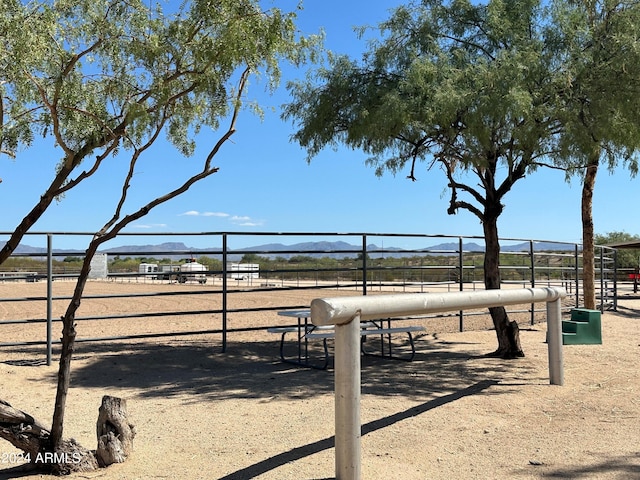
(108, 232)
(454, 203)
(86, 174)
(132, 164)
(54, 115)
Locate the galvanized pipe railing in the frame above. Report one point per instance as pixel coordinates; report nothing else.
(220, 247)
(346, 313)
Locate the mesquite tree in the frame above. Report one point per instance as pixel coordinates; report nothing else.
(601, 121)
(465, 86)
(103, 79)
(484, 90)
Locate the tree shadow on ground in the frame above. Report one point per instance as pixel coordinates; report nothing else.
(297, 453)
(195, 371)
(253, 370)
(18, 471)
(628, 312)
(623, 466)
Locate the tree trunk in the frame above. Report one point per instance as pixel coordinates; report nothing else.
(68, 344)
(588, 247)
(48, 450)
(507, 331)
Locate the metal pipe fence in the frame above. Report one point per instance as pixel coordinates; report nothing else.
(344, 314)
(322, 261)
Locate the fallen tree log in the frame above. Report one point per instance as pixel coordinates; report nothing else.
(22, 430)
(115, 439)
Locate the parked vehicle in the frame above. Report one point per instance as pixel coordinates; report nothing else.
(243, 271)
(190, 271)
(148, 268)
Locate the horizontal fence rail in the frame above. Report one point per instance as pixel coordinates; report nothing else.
(295, 267)
(346, 313)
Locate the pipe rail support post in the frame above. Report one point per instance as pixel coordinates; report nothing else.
(347, 399)
(346, 313)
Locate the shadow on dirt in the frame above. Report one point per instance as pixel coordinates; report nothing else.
(297, 453)
(196, 370)
(628, 312)
(619, 467)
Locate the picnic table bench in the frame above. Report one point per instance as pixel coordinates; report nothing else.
(305, 332)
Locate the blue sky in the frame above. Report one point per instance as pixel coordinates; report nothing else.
(265, 183)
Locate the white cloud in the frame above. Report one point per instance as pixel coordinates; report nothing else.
(239, 220)
(149, 226)
(196, 213)
(245, 221)
(250, 224)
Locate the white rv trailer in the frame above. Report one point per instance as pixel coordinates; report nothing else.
(190, 271)
(243, 271)
(149, 270)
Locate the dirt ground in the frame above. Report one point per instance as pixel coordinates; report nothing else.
(451, 413)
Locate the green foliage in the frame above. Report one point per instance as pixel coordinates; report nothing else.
(615, 237)
(253, 258)
(360, 258)
(127, 264)
(96, 77)
(600, 54)
(625, 258)
(99, 74)
(494, 89)
(301, 259)
(471, 86)
(24, 264)
(212, 264)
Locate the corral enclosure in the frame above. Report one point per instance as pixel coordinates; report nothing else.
(247, 278)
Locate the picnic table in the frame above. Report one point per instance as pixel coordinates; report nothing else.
(304, 332)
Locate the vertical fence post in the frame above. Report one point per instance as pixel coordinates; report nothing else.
(603, 293)
(461, 282)
(615, 280)
(49, 298)
(224, 292)
(533, 277)
(347, 400)
(554, 342)
(364, 264)
(577, 276)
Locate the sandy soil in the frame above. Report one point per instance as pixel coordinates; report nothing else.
(450, 414)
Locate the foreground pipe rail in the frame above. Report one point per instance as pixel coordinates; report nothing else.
(346, 313)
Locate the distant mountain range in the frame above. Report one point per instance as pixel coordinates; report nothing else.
(337, 249)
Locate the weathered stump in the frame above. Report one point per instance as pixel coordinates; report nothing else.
(115, 432)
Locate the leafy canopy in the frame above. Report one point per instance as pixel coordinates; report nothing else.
(494, 89)
(467, 85)
(600, 45)
(101, 74)
(625, 258)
